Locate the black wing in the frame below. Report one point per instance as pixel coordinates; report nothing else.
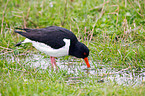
(52, 36)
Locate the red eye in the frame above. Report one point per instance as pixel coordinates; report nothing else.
(85, 53)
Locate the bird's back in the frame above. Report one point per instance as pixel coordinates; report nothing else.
(52, 36)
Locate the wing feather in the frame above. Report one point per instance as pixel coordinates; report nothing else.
(52, 36)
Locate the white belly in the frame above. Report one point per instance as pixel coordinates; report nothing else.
(50, 51)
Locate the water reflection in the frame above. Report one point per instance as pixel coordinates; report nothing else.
(75, 66)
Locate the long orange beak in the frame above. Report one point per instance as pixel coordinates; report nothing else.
(87, 62)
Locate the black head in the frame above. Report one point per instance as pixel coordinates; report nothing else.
(79, 50)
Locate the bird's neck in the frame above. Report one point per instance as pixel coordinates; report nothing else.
(74, 48)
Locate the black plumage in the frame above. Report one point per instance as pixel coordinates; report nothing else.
(52, 36)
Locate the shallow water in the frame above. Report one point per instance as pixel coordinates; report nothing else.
(75, 66)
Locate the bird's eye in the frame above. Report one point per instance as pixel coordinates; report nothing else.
(85, 53)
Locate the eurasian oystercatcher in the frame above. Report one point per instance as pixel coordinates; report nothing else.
(55, 41)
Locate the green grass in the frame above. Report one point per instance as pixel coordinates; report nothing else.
(113, 30)
(45, 83)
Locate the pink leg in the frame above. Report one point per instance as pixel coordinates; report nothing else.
(51, 58)
(53, 62)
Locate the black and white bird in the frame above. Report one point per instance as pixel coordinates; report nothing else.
(55, 41)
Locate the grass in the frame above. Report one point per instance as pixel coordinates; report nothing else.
(113, 30)
(45, 83)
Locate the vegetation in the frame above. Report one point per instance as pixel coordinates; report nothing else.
(114, 31)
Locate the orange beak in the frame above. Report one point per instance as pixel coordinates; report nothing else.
(87, 62)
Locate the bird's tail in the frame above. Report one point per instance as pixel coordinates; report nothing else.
(19, 31)
(18, 44)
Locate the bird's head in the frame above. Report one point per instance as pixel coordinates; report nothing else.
(80, 51)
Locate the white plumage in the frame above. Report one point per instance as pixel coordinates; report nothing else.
(50, 51)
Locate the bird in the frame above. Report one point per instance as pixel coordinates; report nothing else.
(54, 41)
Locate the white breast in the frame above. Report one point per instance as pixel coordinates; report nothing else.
(50, 51)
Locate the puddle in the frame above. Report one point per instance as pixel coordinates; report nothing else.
(75, 66)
